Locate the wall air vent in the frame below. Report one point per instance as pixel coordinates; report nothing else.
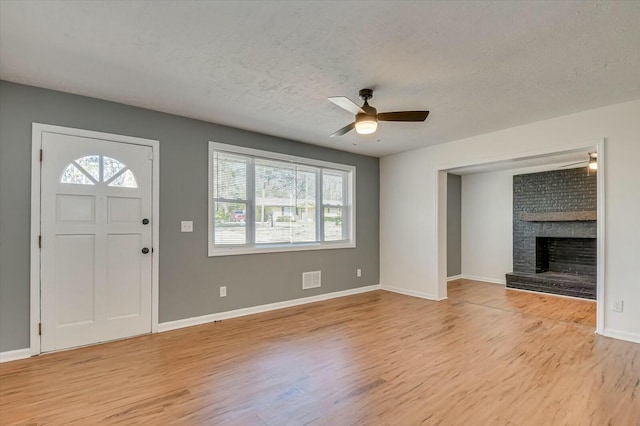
(311, 280)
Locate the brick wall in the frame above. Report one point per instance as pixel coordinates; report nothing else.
(554, 256)
(568, 190)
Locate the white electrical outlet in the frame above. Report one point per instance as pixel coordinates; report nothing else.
(223, 291)
(358, 272)
(186, 226)
(618, 305)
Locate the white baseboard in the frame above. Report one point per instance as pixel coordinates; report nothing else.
(413, 293)
(454, 277)
(502, 281)
(15, 355)
(622, 335)
(219, 316)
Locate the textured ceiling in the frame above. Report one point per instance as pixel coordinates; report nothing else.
(269, 66)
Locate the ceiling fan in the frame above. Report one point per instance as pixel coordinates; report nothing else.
(367, 117)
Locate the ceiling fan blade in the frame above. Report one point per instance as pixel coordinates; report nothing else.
(573, 164)
(347, 104)
(403, 116)
(344, 130)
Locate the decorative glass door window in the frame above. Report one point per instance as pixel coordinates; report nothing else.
(96, 169)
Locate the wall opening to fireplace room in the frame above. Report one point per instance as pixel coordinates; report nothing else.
(496, 161)
(488, 223)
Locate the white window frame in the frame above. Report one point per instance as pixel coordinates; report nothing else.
(252, 248)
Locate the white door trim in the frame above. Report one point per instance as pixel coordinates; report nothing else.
(36, 143)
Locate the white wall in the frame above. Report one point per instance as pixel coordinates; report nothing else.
(487, 226)
(409, 247)
(487, 223)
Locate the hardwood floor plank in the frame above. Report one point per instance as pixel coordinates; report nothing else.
(486, 355)
(581, 311)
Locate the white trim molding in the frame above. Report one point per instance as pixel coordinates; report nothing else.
(600, 228)
(412, 293)
(15, 355)
(484, 279)
(37, 131)
(454, 277)
(219, 316)
(622, 335)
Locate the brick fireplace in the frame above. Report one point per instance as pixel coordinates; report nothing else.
(554, 233)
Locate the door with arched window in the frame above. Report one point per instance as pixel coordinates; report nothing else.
(96, 231)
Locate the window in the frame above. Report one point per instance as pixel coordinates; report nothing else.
(94, 169)
(262, 202)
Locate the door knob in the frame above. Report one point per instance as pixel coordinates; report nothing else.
(145, 221)
(145, 250)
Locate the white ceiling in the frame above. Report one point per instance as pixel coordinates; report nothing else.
(269, 66)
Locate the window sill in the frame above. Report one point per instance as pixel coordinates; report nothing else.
(233, 251)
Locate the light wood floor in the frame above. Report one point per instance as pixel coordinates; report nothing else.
(486, 356)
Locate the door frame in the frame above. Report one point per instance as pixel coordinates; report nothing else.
(35, 269)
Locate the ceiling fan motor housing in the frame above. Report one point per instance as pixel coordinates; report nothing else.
(365, 94)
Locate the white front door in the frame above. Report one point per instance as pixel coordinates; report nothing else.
(96, 253)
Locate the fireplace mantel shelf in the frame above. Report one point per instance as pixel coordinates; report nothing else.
(560, 216)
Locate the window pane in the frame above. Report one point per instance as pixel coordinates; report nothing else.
(332, 223)
(111, 166)
(230, 176)
(91, 164)
(274, 182)
(230, 223)
(279, 224)
(306, 183)
(73, 175)
(305, 205)
(285, 202)
(275, 213)
(125, 180)
(332, 183)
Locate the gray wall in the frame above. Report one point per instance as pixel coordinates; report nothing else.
(454, 225)
(189, 280)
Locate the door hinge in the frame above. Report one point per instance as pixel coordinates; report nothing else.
(150, 155)
(39, 241)
(41, 156)
(39, 329)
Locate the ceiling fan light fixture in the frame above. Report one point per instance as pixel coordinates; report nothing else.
(366, 124)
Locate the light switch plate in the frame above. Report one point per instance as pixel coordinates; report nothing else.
(186, 226)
